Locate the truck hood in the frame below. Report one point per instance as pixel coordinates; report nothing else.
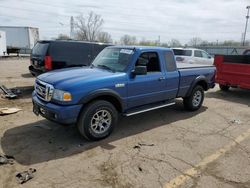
(71, 76)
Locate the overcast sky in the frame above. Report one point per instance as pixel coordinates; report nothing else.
(180, 19)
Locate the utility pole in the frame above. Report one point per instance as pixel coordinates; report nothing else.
(247, 17)
(71, 27)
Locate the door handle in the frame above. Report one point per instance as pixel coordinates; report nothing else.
(161, 78)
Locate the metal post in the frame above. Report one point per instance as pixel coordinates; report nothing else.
(247, 17)
(72, 27)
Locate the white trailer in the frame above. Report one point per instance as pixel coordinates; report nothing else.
(3, 47)
(20, 38)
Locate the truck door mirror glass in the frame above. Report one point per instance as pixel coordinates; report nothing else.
(140, 70)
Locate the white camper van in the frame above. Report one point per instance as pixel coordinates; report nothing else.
(3, 47)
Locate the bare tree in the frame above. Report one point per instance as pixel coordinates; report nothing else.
(89, 27)
(128, 40)
(104, 37)
(195, 41)
(63, 37)
(164, 44)
(145, 42)
(231, 43)
(174, 43)
(205, 43)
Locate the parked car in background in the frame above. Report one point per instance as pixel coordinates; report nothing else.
(49, 55)
(192, 56)
(246, 52)
(121, 80)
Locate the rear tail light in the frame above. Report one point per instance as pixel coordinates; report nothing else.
(48, 63)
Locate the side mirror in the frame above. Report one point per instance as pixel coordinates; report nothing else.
(209, 57)
(140, 70)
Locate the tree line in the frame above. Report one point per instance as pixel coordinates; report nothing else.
(90, 28)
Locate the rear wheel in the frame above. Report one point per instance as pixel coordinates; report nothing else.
(97, 120)
(195, 100)
(224, 87)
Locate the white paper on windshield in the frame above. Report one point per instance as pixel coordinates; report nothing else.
(126, 51)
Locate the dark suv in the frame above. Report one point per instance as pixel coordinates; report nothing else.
(48, 55)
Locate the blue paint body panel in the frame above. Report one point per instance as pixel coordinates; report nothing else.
(136, 90)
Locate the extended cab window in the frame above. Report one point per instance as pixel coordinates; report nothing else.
(170, 61)
(197, 53)
(151, 61)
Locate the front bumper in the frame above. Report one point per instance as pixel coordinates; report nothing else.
(57, 113)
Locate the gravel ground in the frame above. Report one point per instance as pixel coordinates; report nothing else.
(161, 148)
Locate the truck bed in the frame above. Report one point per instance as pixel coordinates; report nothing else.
(188, 73)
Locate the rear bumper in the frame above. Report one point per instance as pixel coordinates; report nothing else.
(35, 72)
(54, 112)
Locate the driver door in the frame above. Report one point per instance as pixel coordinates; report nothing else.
(149, 88)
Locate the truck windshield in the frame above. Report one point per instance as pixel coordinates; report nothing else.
(114, 59)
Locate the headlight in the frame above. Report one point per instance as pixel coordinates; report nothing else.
(61, 95)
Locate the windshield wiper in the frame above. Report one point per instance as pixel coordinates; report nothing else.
(106, 67)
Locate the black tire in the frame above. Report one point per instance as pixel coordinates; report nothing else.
(86, 118)
(224, 87)
(189, 102)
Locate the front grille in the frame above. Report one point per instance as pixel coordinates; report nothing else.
(43, 90)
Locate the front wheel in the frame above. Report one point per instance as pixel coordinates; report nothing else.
(97, 120)
(195, 100)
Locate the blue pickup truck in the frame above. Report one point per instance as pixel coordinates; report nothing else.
(121, 80)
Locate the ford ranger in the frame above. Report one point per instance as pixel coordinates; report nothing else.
(121, 80)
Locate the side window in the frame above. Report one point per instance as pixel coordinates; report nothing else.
(197, 53)
(188, 52)
(204, 55)
(151, 60)
(170, 62)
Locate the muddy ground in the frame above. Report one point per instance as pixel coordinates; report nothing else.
(146, 150)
